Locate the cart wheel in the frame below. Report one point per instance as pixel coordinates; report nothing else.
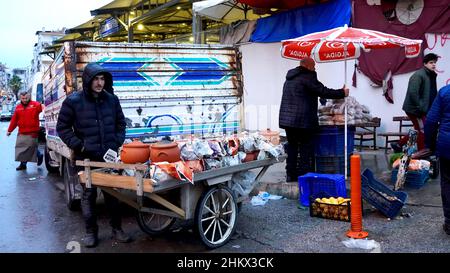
(216, 216)
(154, 224)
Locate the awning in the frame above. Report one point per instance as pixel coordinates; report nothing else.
(224, 10)
(115, 6)
(280, 4)
(92, 23)
(68, 37)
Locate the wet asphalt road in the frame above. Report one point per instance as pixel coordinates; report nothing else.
(34, 218)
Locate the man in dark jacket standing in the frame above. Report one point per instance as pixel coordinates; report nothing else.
(90, 123)
(299, 115)
(419, 97)
(438, 119)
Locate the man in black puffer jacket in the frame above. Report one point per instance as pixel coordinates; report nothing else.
(90, 123)
(298, 116)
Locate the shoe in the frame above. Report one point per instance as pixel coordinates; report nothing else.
(90, 240)
(120, 236)
(446, 228)
(396, 147)
(40, 159)
(22, 166)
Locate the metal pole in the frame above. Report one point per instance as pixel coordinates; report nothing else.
(345, 111)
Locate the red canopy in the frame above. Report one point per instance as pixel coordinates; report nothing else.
(329, 45)
(280, 4)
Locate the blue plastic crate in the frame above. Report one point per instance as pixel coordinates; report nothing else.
(387, 201)
(314, 183)
(330, 140)
(414, 179)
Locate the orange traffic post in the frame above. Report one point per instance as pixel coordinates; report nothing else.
(356, 231)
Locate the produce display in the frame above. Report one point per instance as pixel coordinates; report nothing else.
(331, 208)
(333, 112)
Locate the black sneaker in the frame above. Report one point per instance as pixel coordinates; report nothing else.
(396, 147)
(40, 159)
(120, 236)
(21, 167)
(446, 228)
(90, 240)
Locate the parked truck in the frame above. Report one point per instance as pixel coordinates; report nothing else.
(164, 90)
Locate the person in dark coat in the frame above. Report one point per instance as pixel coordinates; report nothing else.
(422, 91)
(438, 119)
(299, 116)
(90, 123)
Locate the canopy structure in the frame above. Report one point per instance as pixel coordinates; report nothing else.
(89, 25)
(280, 4)
(116, 6)
(226, 11)
(68, 37)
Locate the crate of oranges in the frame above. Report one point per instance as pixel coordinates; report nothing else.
(335, 208)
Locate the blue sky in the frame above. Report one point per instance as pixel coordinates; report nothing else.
(20, 19)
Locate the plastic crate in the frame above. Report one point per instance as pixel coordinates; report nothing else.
(387, 201)
(330, 140)
(314, 183)
(414, 179)
(332, 164)
(340, 212)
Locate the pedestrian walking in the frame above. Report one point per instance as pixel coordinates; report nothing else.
(437, 138)
(91, 122)
(26, 117)
(422, 91)
(299, 116)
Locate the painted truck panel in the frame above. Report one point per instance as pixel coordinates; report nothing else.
(164, 90)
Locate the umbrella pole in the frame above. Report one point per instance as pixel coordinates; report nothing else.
(345, 112)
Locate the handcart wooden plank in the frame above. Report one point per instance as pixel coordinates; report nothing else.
(116, 181)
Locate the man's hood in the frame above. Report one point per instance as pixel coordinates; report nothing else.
(298, 71)
(93, 69)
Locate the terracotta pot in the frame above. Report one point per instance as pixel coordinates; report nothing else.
(135, 152)
(162, 151)
(272, 136)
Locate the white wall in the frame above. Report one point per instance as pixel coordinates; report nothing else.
(264, 72)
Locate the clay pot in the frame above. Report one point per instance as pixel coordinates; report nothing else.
(135, 152)
(165, 151)
(272, 136)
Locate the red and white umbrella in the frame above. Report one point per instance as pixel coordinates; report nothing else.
(334, 44)
(342, 44)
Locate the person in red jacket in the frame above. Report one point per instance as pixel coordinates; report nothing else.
(26, 117)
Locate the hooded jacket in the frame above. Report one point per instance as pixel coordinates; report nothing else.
(299, 104)
(88, 124)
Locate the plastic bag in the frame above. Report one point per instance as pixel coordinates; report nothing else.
(212, 163)
(248, 144)
(217, 148)
(258, 201)
(243, 182)
(202, 149)
(187, 152)
(361, 243)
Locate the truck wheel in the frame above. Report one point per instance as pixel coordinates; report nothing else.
(70, 181)
(154, 224)
(215, 216)
(434, 173)
(47, 158)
